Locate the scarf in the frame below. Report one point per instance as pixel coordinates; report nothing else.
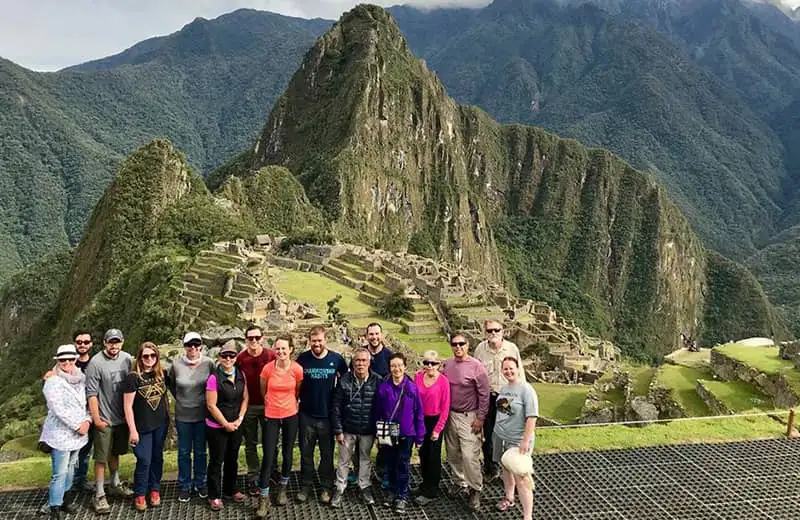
(191, 361)
(75, 378)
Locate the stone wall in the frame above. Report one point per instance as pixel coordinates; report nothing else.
(790, 350)
(774, 385)
(716, 406)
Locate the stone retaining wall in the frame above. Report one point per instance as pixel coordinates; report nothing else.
(774, 385)
(716, 406)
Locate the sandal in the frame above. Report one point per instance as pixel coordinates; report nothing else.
(504, 504)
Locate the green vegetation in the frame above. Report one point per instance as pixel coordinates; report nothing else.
(395, 305)
(317, 290)
(561, 403)
(763, 359)
(683, 382)
(739, 396)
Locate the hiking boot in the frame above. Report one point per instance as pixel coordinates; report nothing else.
(303, 494)
(68, 505)
(400, 506)
(388, 499)
(336, 501)
(263, 506)
(216, 504)
(155, 498)
(367, 496)
(325, 496)
(474, 499)
(202, 492)
(238, 497)
(56, 513)
(123, 490)
(183, 495)
(254, 489)
(100, 505)
(282, 499)
(140, 503)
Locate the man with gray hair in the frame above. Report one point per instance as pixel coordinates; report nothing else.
(491, 352)
(352, 420)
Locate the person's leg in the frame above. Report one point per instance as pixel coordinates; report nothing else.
(72, 464)
(59, 463)
(253, 421)
(471, 445)
(216, 445)
(453, 445)
(102, 450)
(390, 461)
(199, 454)
(525, 487)
(185, 431)
(435, 467)
(308, 443)
(325, 437)
(401, 467)
(268, 442)
(424, 457)
(82, 468)
(230, 483)
(144, 456)
(489, 466)
(288, 440)
(509, 485)
(157, 460)
(363, 449)
(346, 450)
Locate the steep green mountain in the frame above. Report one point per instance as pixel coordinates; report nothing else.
(395, 163)
(207, 88)
(613, 82)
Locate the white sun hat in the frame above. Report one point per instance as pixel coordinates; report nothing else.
(516, 462)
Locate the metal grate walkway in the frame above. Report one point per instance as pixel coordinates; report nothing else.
(743, 480)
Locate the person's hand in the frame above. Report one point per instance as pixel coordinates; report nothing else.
(477, 426)
(523, 446)
(340, 438)
(83, 429)
(47, 375)
(237, 423)
(230, 427)
(435, 436)
(133, 438)
(100, 424)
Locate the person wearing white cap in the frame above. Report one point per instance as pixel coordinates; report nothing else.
(65, 429)
(186, 380)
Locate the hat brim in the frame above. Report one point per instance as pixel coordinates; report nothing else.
(63, 357)
(114, 337)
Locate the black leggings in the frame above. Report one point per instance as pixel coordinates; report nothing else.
(269, 440)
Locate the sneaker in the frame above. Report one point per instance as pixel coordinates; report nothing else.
(89, 486)
(183, 495)
(216, 504)
(263, 506)
(388, 499)
(56, 513)
(336, 500)
(303, 494)
(400, 506)
(68, 505)
(239, 497)
(367, 495)
(282, 499)
(325, 496)
(202, 492)
(123, 490)
(254, 489)
(140, 504)
(100, 505)
(155, 498)
(474, 499)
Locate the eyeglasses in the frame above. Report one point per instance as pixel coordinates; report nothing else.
(114, 341)
(149, 356)
(82, 342)
(253, 338)
(227, 355)
(430, 363)
(457, 343)
(68, 360)
(493, 330)
(192, 345)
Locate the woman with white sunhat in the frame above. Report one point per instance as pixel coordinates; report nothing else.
(65, 429)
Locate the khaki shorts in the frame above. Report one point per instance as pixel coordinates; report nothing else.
(111, 441)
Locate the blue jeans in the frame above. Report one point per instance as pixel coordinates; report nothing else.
(63, 467)
(191, 442)
(82, 468)
(149, 461)
(398, 459)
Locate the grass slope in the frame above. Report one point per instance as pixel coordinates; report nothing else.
(561, 403)
(683, 380)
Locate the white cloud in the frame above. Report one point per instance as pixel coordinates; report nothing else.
(52, 34)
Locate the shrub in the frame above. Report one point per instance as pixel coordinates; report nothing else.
(395, 305)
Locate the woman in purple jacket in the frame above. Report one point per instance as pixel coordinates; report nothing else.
(398, 403)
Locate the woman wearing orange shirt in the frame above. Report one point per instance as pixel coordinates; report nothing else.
(280, 384)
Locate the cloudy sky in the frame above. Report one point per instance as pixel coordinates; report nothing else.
(52, 34)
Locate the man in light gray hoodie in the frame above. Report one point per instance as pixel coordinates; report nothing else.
(104, 377)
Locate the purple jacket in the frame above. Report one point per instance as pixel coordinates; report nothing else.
(409, 414)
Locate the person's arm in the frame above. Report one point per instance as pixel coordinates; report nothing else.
(127, 404)
(337, 404)
(419, 419)
(65, 411)
(211, 404)
(169, 379)
(483, 389)
(298, 376)
(92, 392)
(531, 409)
(444, 407)
(242, 408)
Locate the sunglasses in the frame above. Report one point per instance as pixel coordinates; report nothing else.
(458, 343)
(114, 341)
(253, 338)
(493, 330)
(68, 360)
(430, 363)
(81, 342)
(192, 345)
(227, 355)
(149, 356)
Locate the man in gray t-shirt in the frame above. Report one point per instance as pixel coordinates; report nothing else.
(104, 376)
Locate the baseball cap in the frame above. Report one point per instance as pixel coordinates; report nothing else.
(192, 337)
(229, 346)
(66, 352)
(113, 334)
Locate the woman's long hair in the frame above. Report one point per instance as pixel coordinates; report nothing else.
(138, 366)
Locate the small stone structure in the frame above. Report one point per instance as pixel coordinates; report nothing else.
(773, 384)
(790, 350)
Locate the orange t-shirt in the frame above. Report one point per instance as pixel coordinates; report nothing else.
(280, 401)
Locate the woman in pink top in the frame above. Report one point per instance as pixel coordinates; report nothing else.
(280, 385)
(434, 389)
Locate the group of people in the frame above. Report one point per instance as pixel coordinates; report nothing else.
(266, 396)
